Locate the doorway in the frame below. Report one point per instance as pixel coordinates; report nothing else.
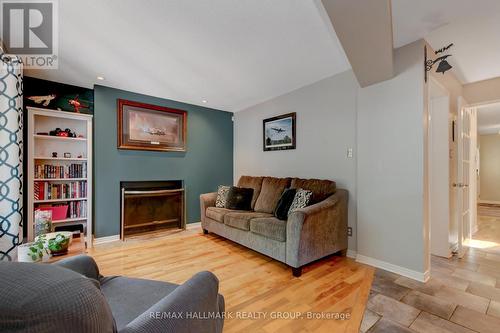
(485, 229)
(439, 171)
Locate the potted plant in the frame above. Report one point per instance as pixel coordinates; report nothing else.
(58, 245)
(32, 252)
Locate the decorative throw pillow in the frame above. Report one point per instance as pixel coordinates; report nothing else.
(301, 200)
(222, 193)
(283, 206)
(239, 198)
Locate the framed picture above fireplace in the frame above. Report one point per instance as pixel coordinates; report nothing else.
(150, 127)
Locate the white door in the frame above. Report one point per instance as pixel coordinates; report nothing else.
(465, 170)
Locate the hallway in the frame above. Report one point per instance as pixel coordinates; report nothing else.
(488, 231)
(462, 295)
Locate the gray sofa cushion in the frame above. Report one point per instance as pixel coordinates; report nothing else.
(129, 297)
(270, 194)
(269, 227)
(320, 188)
(241, 220)
(47, 298)
(217, 214)
(251, 182)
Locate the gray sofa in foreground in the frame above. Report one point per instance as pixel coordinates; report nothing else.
(71, 296)
(309, 234)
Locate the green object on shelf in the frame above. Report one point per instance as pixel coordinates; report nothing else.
(58, 245)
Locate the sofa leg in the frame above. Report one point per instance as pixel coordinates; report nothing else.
(297, 271)
(205, 231)
(343, 253)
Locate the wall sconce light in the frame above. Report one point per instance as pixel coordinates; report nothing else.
(443, 65)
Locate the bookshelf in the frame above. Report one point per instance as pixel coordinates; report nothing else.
(60, 181)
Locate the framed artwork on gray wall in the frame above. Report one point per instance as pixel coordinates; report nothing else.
(279, 132)
(150, 127)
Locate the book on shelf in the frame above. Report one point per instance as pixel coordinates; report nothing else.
(48, 191)
(48, 171)
(77, 209)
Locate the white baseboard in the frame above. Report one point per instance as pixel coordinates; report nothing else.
(193, 225)
(419, 276)
(107, 239)
(351, 254)
(490, 202)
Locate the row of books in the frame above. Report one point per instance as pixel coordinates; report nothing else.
(49, 191)
(48, 171)
(77, 209)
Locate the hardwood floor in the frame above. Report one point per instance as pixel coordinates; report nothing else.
(250, 282)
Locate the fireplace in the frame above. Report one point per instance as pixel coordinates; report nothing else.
(151, 206)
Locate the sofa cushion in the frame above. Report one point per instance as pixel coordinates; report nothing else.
(269, 227)
(240, 220)
(129, 297)
(252, 182)
(283, 206)
(270, 194)
(301, 200)
(239, 198)
(222, 193)
(320, 188)
(216, 213)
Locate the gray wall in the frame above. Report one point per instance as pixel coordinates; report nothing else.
(207, 163)
(391, 211)
(489, 167)
(386, 178)
(326, 128)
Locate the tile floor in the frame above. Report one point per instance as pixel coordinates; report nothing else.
(462, 295)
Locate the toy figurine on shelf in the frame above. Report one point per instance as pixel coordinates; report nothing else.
(77, 104)
(66, 133)
(44, 100)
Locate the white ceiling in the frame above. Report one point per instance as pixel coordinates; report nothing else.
(488, 119)
(472, 25)
(234, 54)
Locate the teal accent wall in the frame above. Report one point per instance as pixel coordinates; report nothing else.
(207, 163)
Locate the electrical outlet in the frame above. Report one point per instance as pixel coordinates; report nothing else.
(349, 231)
(349, 153)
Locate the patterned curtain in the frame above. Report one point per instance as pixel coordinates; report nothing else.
(11, 156)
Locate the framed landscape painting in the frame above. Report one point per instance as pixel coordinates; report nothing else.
(150, 127)
(279, 132)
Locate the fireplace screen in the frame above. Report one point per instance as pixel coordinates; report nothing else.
(151, 207)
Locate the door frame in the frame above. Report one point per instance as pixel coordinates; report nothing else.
(439, 166)
(466, 211)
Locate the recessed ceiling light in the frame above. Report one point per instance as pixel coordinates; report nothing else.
(204, 101)
(100, 78)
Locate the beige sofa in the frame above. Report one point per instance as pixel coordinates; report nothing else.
(310, 233)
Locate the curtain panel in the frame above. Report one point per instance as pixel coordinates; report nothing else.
(11, 156)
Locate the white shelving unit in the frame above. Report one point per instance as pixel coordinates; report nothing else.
(40, 149)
